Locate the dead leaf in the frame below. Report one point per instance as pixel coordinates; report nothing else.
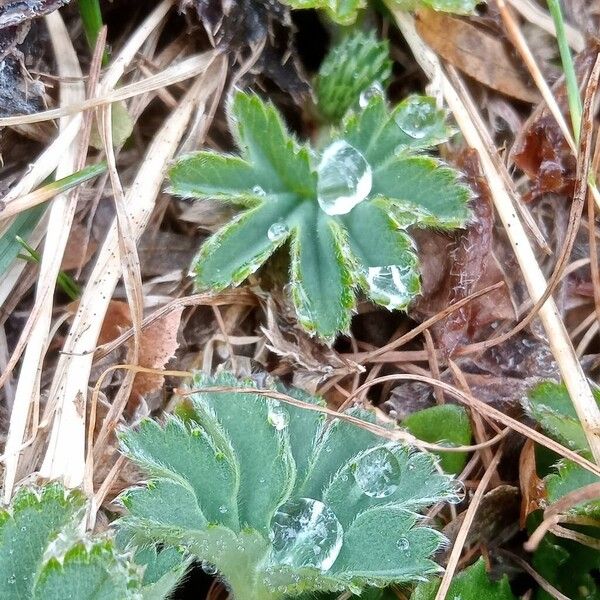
(157, 347)
(541, 150)
(477, 53)
(78, 239)
(117, 320)
(533, 490)
(454, 267)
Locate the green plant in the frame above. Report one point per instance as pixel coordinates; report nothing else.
(471, 584)
(351, 72)
(279, 500)
(549, 404)
(345, 12)
(444, 424)
(344, 209)
(45, 555)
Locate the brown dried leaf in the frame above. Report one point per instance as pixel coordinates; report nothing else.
(496, 520)
(157, 347)
(533, 490)
(477, 53)
(541, 150)
(453, 268)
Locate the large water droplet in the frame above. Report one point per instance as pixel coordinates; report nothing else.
(299, 527)
(391, 285)
(377, 473)
(258, 191)
(418, 117)
(344, 178)
(277, 231)
(367, 95)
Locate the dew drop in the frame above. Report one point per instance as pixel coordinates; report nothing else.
(403, 544)
(344, 178)
(258, 191)
(377, 473)
(368, 94)
(418, 117)
(208, 568)
(222, 509)
(305, 532)
(277, 231)
(12, 579)
(392, 285)
(278, 417)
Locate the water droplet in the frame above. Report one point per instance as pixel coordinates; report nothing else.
(377, 473)
(403, 544)
(392, 285)
(417, 117)
(458, 493)
(12, 579)
(277, 231)
(208, 568)
(258, 191)
(278, 417)
(345, 178)
(222, 509)
(299, 526)
(367, 95)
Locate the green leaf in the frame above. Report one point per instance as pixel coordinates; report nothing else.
(343, 211)
(471, 584)
(22, 226)
(568, 478)
(352, 71)
(323, 506)
(550, 405)
(344, 12)
(568, 565)
(446, 424)
(42, 555)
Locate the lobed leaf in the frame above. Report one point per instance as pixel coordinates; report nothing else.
(43, 557)
(310, 496)
(344, 211)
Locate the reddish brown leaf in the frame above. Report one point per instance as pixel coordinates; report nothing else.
(533, 490)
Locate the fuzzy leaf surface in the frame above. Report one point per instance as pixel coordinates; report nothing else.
(351, 71)
(311, 495)
(43, 558)
(471, 584)
(343, 210)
